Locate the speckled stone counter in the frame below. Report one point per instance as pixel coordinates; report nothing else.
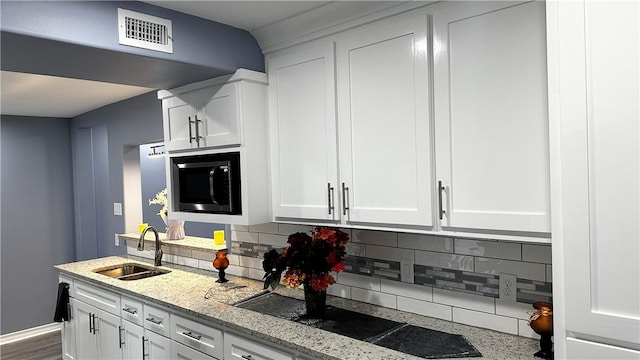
(184, 289)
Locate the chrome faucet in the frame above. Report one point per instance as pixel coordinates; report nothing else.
(158, 257)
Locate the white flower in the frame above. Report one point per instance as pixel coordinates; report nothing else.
(160, 199)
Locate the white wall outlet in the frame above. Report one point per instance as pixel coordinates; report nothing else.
(117, 240)
(117, 209)
(508, 287)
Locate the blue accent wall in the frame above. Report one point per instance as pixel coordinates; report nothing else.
(36, 228)
(153, 179)
(79, 39)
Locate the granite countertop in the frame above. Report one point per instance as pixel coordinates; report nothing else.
(184, 289)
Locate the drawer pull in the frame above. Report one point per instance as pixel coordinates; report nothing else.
(153, 320)
(248, 357)
(191, 335)
(129, 310)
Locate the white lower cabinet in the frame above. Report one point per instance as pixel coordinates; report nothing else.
(155, 346)
(182, 352)
(241, 348)
(68, 328)
(98, 332)
(131, 340)
(197, 336)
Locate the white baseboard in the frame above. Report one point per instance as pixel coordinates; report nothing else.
(29, 333)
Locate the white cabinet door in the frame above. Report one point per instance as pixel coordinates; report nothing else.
(131, 341)
(596, 119)
(68, 334)
(491, 124)
(107, 330)
(86, 341)
(239, 348)
(304, 166)
(179, 115)
(182, 352)
(383, 117)
(157, 347)
(218, 119)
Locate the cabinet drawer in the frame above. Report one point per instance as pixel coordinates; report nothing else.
(181, 352)
(156, 320)
(131, 310)
(239, 348)
(100, 298)
(197, 336)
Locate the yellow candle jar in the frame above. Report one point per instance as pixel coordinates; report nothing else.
(218, 240)
(141, 227)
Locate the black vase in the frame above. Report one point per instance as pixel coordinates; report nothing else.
(315, 302)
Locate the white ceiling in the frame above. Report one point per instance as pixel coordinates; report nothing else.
(47, 96)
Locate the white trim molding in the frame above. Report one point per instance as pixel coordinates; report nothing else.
(28, 333)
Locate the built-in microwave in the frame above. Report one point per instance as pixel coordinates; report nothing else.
(206, 183)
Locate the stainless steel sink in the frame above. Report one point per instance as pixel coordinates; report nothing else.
(130, 271)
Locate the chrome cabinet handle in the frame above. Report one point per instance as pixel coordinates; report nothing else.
(191, 138)
(144, 355)
(130, 311)
(153, 320)
(70, 308)
(345, 193)
(441, 211)
(90, 323)
(330, 197)
(120, 328)
(191, 335)
(198, 137)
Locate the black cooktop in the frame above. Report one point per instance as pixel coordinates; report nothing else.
(409, 339)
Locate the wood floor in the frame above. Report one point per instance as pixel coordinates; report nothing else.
(43, 347)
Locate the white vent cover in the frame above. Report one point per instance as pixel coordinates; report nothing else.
(144, 31)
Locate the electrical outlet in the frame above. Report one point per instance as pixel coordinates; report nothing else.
(508, 287)
(117, 240)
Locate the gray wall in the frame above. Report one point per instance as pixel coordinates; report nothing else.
(79, 39)
(128, 123)
(36, 217)
(153, 179)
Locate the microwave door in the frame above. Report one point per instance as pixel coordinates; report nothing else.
(220, 188)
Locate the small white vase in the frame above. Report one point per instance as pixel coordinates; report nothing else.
(174, 228)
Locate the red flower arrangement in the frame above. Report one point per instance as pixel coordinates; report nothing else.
(307, 260)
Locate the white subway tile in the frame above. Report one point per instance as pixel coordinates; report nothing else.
(487, 321)
(181, 260)
(250, 262)
(525, 330)
(536, 253)
(389, 253)
(446, 261)
(424, 308)
(419, 292)
(492, 249)
(549, 274)
(384, 238)
(181, 251)
(206, 265)
(240, 227)
(169, 258)
(374, 297)
(244, 236)
(202, 255)
(340, 291)
(288, 229)
(425, 242)
(269, 228)
(511, 309)
(256, 274)
(365, 282)
(273, 240)
(238, 271)
(463, 300)
(523, 270)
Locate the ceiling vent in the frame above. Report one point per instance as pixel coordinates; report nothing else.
(144, 31)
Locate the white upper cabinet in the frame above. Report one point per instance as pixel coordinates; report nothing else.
(491, 122)
(595, 63)
(207, 117)
(304, 168)
(383, 116)
(382, 122)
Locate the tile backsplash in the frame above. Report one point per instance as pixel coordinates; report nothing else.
(455, 279)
